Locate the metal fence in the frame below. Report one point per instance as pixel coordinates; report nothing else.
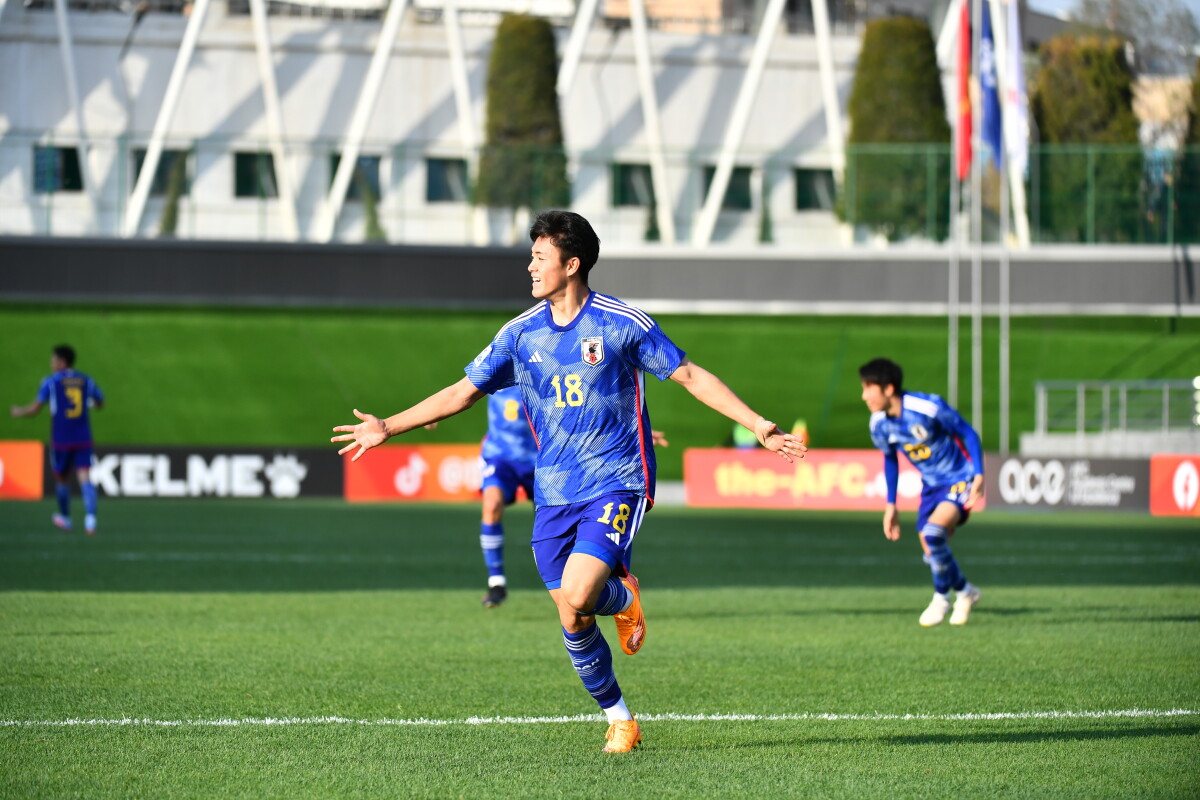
(1077, 194)
(1149, 406)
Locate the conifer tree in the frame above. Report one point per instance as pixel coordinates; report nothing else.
(523, 163)
(896, 101)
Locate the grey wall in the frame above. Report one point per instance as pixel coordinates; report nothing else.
(1147, 281)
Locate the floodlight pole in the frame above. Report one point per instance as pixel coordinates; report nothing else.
(829, 95)
(663, 207)
(141, 190)
(737, 124)
(270, 90)
(363, 110)
(584, 15)
(67, 48)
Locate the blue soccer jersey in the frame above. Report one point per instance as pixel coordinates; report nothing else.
(70, 394)
(934, 437)
(583, 385)
(509, 437)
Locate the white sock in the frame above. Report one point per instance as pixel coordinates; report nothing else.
(496, 580)
(941, 596)
(965, 590)
(619, 712)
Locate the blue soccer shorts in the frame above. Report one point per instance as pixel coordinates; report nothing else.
(507, 476)
(62, 459)
(603, 527)
(933, 496)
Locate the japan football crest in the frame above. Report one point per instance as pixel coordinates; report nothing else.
(592, 349)
(918, 432)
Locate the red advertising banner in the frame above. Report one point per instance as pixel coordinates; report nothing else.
(842, 480)
(21, 470)
(1175, 486)
(438, 472)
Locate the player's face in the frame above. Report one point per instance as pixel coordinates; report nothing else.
(877, 398)
(547, 269)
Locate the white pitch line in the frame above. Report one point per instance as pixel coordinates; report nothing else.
(664, 717)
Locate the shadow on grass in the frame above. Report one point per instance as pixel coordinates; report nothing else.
(319, 546)
(939, 739)
(1082, 735)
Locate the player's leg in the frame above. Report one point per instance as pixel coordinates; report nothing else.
(60, 464)
(491, 542)
(606, 531)
(83, 471)
(586, 579)
(947, 575)
(576, 590)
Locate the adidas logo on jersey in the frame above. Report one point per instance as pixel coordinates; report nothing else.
(536, 358)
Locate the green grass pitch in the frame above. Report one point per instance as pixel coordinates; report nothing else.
(318, 649)
(286, 377)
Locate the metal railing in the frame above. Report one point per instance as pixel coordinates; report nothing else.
(1082, 194)
(1145, 406)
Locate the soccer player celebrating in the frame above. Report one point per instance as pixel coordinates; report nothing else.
(947, 453)
(509, 455)
(580, 358)
(71, 396)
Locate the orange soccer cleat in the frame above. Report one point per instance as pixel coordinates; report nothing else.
(631, 623)
(623, 736)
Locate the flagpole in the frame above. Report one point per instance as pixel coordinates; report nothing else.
(976, 236)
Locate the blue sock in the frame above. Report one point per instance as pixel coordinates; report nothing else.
(89, 496)
(63, 493)
(614, 598)
(946, 574)
(593, 661)
(491, 540)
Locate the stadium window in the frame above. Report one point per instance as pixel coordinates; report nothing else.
(254, 175)
(169, 160)
(445, 180)
(56, 169)
(366, 175)
(632, 186)
(737, 194)
(814, 189)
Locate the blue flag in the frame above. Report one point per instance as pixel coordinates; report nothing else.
(987, 80)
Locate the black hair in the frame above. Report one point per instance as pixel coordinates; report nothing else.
(571, 234)
(883, 372)
(66, 353)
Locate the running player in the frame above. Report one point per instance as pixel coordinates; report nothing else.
(947, 453)
(71, 395)
(580, 358)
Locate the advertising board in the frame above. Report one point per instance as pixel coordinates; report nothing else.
(431, 472)
(159, 471)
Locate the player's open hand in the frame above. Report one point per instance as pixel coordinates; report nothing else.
(788, 446)
(891, 523)
(371, 432)
(659, 439)
(976, 492)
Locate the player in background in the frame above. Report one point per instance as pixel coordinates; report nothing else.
(509, 454)
(580, 359)
(71, 396)
(947, 452)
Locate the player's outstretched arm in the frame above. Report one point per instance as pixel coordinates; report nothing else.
(712, 391)
(372, 431)
(27, 411)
